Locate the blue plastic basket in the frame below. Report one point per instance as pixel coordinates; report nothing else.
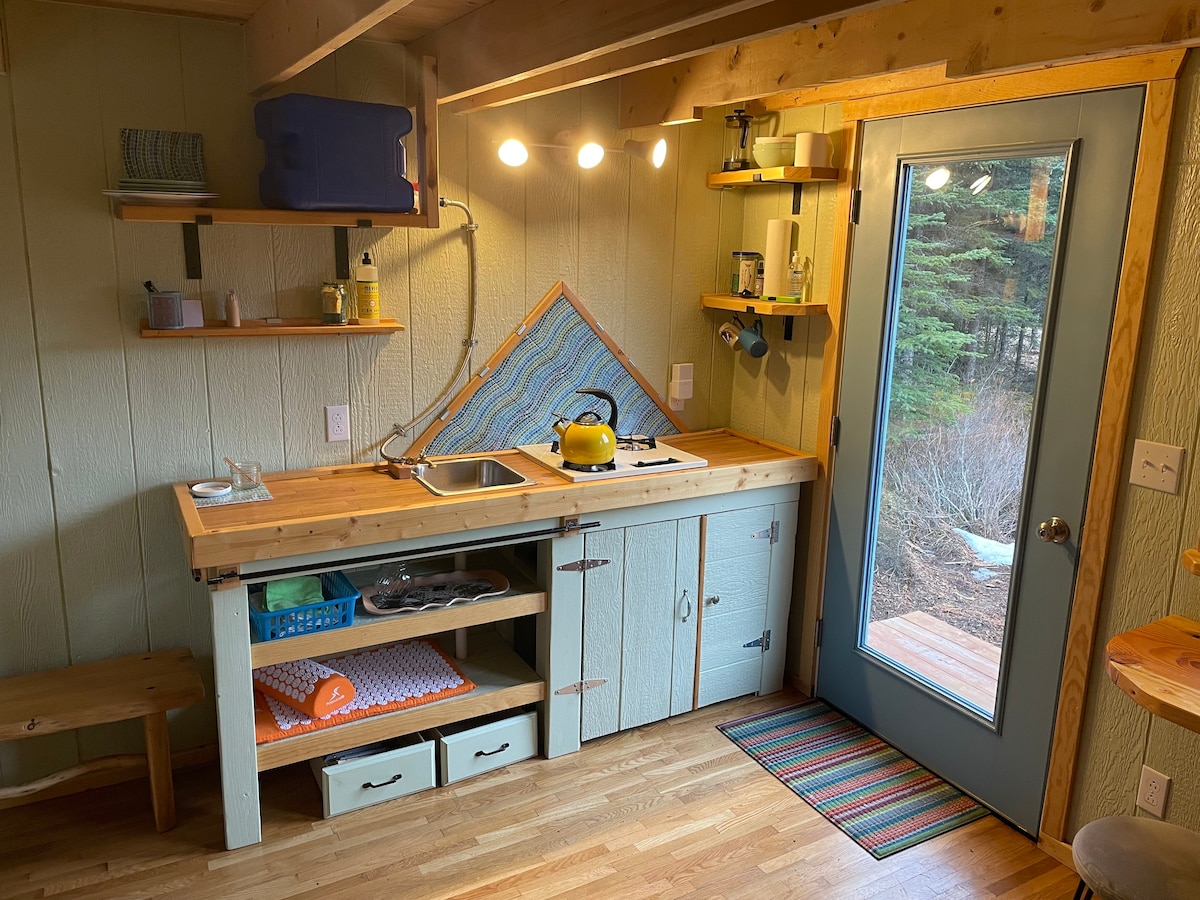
(336, 611)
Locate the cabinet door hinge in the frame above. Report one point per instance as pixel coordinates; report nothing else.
(582, 565)
(855, 205)
(763, 642)
(771, 534)
(835, 434)
(580, 686)
(820, 632)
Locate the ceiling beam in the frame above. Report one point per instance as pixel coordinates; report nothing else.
(968, 36)
(509, 40)
(773, 17)
(285, 37)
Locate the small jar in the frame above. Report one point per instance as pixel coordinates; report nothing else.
(743, 272)
(333, 303)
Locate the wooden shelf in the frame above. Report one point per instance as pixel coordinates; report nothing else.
(216, 215)
(502, 680)
(775, 175)
(260, 328)
(761, 307)
(369, 630)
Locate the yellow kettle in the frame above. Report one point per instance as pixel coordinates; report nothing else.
(588, 443)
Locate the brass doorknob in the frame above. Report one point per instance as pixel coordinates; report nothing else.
(1056, 531)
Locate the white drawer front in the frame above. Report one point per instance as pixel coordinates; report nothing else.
(363, 782)
(466, 751)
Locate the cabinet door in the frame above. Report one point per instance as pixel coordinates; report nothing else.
(737, 585)
(639, 625)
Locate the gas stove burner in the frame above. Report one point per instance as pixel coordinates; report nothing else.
(590, 467)
(635, 442)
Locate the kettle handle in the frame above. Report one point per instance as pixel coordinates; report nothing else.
(612, 404)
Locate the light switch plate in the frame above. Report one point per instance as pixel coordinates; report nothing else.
(1156, 466)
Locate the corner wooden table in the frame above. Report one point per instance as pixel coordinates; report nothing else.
(1158, 665)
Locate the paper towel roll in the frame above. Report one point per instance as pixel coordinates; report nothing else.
(776, 256)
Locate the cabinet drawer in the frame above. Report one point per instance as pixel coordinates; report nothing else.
(401, 766)
(474, 747)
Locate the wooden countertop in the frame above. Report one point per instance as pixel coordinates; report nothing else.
(1158, 665)
(316, 510)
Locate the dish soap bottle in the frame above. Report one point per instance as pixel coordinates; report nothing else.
(796, 277)
(366, 283)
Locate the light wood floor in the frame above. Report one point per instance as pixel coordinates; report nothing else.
(959, 662)
(668, 810)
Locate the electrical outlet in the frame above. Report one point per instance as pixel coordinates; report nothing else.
(337, 423)
(1152, 792)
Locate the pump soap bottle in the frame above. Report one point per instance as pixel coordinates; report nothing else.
(366, 283)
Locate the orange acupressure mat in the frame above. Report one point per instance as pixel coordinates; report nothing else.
(385, 679)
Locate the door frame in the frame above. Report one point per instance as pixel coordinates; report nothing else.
(1159, 73)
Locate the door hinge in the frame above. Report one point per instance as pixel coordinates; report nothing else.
(771, 534)
(764, 642)
(582, 565)
(855, 205)
(820, 632)
(835, 434)
(580, 686)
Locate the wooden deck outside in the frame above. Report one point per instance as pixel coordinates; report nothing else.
(961, 663)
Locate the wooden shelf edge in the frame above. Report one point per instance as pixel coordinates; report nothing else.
(399, 627)
(260, 328)
(774, 175)
(761, 307)
(220, 215)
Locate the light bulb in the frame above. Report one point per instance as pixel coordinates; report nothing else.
(660, 153)
(938, 178)
(590, 155)
(513, 153)
(980, 184)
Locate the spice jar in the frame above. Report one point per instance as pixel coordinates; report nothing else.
(333, 303)
(743, 272)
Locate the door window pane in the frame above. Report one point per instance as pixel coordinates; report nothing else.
(975, 252)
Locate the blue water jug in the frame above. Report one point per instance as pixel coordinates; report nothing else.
(324, 153)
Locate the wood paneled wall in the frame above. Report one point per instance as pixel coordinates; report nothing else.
(96, 423)
(1151, 530)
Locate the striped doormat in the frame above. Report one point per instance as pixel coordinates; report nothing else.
(870, 790)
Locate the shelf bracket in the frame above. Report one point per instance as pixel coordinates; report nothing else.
(797, 193)
(787, 327)
(191, 247)
(341, 252)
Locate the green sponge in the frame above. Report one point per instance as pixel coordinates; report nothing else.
(291, 592)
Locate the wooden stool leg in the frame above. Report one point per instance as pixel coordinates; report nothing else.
(158, 758)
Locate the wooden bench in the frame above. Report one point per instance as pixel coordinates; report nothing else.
(110, 690)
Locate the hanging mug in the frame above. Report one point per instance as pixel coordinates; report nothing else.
(751, 338)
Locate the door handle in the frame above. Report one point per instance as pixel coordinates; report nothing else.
(1054, 531)
(688, 610)
(713, 601)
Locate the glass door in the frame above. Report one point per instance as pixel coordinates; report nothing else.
(981, 294)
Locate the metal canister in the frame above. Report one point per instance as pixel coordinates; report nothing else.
(743, 272)
(333, 303)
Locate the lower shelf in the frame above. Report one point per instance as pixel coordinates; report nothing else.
(263, 328)
(503, 681)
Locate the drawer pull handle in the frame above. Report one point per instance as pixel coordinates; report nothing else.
(392, 780)
(688, 613)
(499, 749)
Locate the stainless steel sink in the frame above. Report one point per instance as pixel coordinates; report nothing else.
(470, 476)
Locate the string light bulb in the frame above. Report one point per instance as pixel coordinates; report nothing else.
(590, 155)
(513, 153)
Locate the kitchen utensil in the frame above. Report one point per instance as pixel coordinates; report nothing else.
(588, 443)
(737, 141)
